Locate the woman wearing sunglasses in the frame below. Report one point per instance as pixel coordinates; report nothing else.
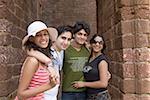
(96, 71)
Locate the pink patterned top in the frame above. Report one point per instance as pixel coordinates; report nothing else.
(40, 77)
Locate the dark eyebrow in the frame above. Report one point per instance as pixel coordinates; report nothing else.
(63, 37)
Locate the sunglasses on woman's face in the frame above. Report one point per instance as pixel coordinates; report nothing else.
(99, 42)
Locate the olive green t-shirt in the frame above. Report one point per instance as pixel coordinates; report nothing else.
(73, 65)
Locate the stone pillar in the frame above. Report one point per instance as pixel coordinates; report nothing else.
(125, 26)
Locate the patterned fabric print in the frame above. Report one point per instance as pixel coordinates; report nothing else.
(57, 58)
(73, 66)
(100, 96)
(40, 77)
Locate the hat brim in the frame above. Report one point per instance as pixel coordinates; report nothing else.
(24, 40)
(53, 33)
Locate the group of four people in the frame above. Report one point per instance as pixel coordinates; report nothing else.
(52, 50)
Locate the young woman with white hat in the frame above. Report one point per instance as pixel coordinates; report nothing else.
(35, 77)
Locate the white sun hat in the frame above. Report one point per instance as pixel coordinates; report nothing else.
(38, 26)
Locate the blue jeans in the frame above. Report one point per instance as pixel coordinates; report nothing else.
(73, 96)
(99, 96)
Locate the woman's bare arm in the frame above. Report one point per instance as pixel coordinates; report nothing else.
(39, 55)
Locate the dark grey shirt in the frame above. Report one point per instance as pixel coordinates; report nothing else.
(91, 73)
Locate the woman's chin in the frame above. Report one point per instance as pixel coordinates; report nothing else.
(43, 46)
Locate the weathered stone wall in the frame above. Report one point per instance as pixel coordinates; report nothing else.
(123, 23)
(14, 17)
(63, 12)
(125, 26)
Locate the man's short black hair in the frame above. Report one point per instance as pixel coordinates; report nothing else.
(81, 25)
(65, 28)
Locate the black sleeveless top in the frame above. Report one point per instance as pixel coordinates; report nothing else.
(91, 73)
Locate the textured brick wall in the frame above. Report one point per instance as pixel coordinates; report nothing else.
(60, 12)
(125, 26)
(14, 17)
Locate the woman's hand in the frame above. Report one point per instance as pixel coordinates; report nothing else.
(54, 75)
(53, 81)
(52, 72)
(78, 84)
(108, 75)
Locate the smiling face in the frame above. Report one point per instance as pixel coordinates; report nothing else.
(63, 41)
(97, 44)
(80, 37)
(41, 39)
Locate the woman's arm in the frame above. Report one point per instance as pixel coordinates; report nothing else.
(101, 83)
(29, 68)
(40, 56)
(43, 58)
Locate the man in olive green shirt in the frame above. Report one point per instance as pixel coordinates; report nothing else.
(76, 55)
